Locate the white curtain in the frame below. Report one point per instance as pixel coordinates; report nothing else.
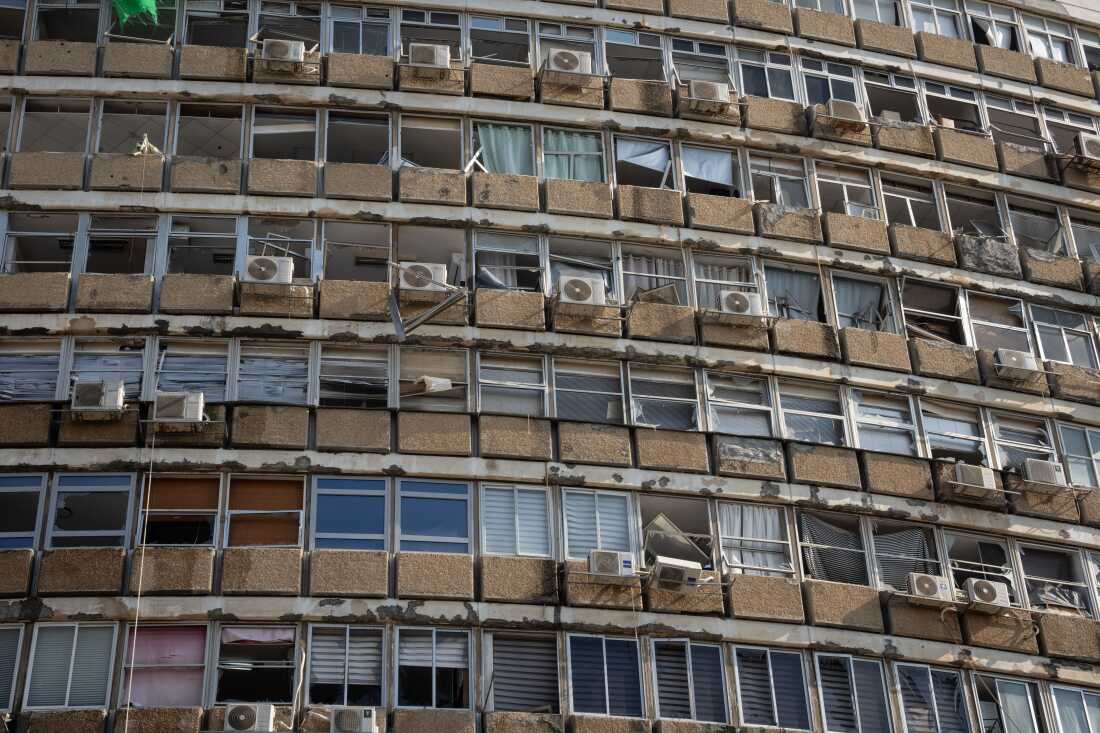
(754, 523)
(721, 277)
(573, 155)
(506, 148)
(646, 272)
(654, 155)
(858, 303)
(708, 165)
(1015, 707)
(793, 294)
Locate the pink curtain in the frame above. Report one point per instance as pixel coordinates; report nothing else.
(164, 688)
(168, 645)
(257, 635)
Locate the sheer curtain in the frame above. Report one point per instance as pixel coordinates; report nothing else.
(573, 155)
(1015, 707)
(793, 294)
(506, 148)
(645, 272)
(838, 555)
(653, 155)
(711, 279)
(757, 523)
(708, 165)
(858, 303)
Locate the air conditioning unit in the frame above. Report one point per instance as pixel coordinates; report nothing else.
(100, 399)
(1015, 365)
(708, 96)
(674, 574)
(737, 303)
(266, 269)
(430, 60)
(423, 275)
(183, 407)
(1048, 473)
(290, 52)
(1087, 146)
(568, 61)
(582, 290)
(986, 596)
(926, 589)
(890, 115)
(843, 113)
(258, 717)
(610, 562)
(971, 479)
(353, 720)
(860, 211)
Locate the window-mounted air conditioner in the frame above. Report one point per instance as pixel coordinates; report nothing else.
(99, 399)
(430, 60)
(610, 562)
(890, 115)
(986, 596)
(1047, 474)
(925, 589)
(674, 574)
(1015, 365)
(582, 290)
(860, 210)
(738, 303)
(267, 269)
(277, 49)
(258, 717)
(353, 720)
(423, 275)
(568, 61)
(844, 113)
(974, 479)
(1087, 146)
(178, 407)
(708, 96)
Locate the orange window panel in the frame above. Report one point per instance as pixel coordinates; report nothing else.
(263, 529)
(183, 493)
(265, 494)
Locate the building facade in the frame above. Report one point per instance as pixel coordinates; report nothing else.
(652, 365)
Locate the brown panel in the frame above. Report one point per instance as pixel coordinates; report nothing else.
(183, 493)
(265, 494)
(263, 529)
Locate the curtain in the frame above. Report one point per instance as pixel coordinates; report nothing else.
(654, 155)
(754, 523)
(708, 165)
(164, 687)
(859, 304)
(506, 148)
(257, 635)
(1015, 704)
(1071, 713)
(839, 553)
(647, 272)
(573, 155)
(902, 552)
(793, 293)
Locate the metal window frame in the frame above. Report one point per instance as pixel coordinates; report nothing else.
(36, 347)
(892, 321)
(935, 11)
(1082, 693)
(56, 490)
(544, 153)
(861, 530)
(230, 513)
(631, 520)
(102, 17)
(1091, 436)
(40, 508)
(399, 24)
(850, 660)
(241, 346)
(982, 440)
(824, 73)
(692, 377)
(128, 665)
(606, 693)
(347, 628)
(1014, 575)
(767, 64)
(503, 22)
(661, 47)
(936, 558)
(618, 366)
(1082, 565)
(928, 670)
(539, 37)
(709, 401)
(470, 665)
(784, 522)
(76, 626)
(162, 346)
(7, 705)
(516, 488)
(469, 384)
(1086, 330)
(960, 318)
(488, 659)
(329, 22)
(1034, 694)
(720, 683)
(808, 188)
(896, 181)
(993, 417)
(350, 351)
(295, 665)
(768, 651)
(468, 498)
(858, 422)
(543, 371)
(316, 490)
(236, 235)
(843, 417)
(143, 511)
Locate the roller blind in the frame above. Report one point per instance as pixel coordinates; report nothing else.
(452, 649)
(533, 521)
(707, 683)
(525, 674)
(327, 658)
(789, 681)
(580, 520)
(614, 523)
(9, 658)
(91, 674)
(414, 648)
(498, 509)
(673, 696)
(49, 675)
(754, 686)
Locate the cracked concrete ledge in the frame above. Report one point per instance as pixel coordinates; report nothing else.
(532, 617)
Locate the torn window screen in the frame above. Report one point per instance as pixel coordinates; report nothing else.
(291, 21)
(193, 366)
(202, 245)
(210, 131)
(360, 30)
(125, 125)
(180, 511)
(504, 148)
(284, 134)
(645, 163)
(1055, 579)
(54, 125)
(678, 528)
(28, 370)
(512, 385)
(754, 539)
(794, 294)
(68, 20)
(273, 373)
(504, 261)
(216, 23)
(121, 244)
(12, 14)
(633, 55)
(39, 242)
(432, 27)
(357, 138)
(711, 171)
(499, 40)
(431, 142)
(954, 432)
(109, 360)
(663, 398)
(355, 251)
(284, 238)
(933, 311)
(832, 548)
(256, 664)
(354, 377)
(581, 258)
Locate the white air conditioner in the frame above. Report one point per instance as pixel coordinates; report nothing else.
(1087, 146)
(610, 562)
(860, 211)
(353, 720)
(423, 275)
(974, 479)
(986, 596)
(276, 49)
(184, 407)
(929, 589)
(741, 304)
(674, 574)
(1048, 473)
(708, 96)
(257, 717)
(100, 399)
(1016, 365)
(845, 111)
(568, 61)
(430, 60)
(890, 115)
(266, 269)
(582, 290)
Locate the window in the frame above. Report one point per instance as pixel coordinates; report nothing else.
(504, 148)
(605, 675)
(193, 366)
(974, 212)
(1015, 122)
(771, 688)
(1086, 235)
(11, 28)
(1076, 710)
(28, 370)
(434, 27)
(581, 258)
(500, 40)
(992, 25)
(902, 548)
(882, 11)
(431, 142)
(433, 380)
(284, 134)
(954, 432)
(515, 520)
(932, 699)
(825, 81)
(525, 672)
(1063, 127)
(358, 29)
(690, 681)
(433, 668)
(438, 245)
(572, 155)
(70, 666)
(357, 138)
(779, 181)
(202, 245)
(587, 391)
(891, 97)
(710, 171)
(765, 74)
(864, 303)
(884, 422)
(21, 497)
(974, 556)
(121, 244)
(716, 273)
(1090, 47)
(953, 106)
(812, 413)
(558, 36)
(663, 398)
(346, 665)
(264, 513)
(67, 20)
(754, 539)
(90, 510)
(1082, 449)
(933, 311)
(1049, 39)
(653, 273)
(354, 376)
(54, 125)
(700, 61)
(293, 20)
(164, 666)
(123, 126)
(216, 23)
(739, 405)
(11, 642)
(179, 511)
(273, 372)
(279, 237)
(633, 54)
(1064, 336)
(910, 203)
(354, 251)
(794, 293)
(1056, 579)
(1005, 704)
(433, 516)
(39, 242)
(641, 162)
(1020, 438)
(256, 664)
(937, 16)
(349, 514)
(832, 547)
(1037, 231)
(512, 385)
(853, 694)
(845, 190)
(123, 361)
(677, 527)
(597, 520)
(507, 262)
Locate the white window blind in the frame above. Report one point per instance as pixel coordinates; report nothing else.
(71, 666)
(346, 657)
(452, 649)
(596, 521)
(515, 521)
(9, 661)
(772, 688)
(415, 649)
(525, 674)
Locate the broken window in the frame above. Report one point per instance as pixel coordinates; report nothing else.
(70, 666)
(605, 675)
(346, 665)
(1064, 126)
(941, 17)
(645, 163)
(1086, 237)
(933, 311)
(954, 432)
(1014, 121)
(121, 244)
(676, 527)
(1064, 336)
(273, 372)
(164, 666)
(771, 688)
(1078, 710)
(39, 242)
(884, 422)
(794, 293)
(357, 138)
(356, 251)
(864, 303)
(596, 520)
(998, 323)
(256, 664)
(496, 40)
(880, 11)
(584, 259)
(953, 107)
(711, 171)
(739, 405)
(349, 513)
(993, 25)
(1005, 704)
(54, 125)
(1019, 439)
(124, 361)
(715, 275)
(663, 398)
(284, 134)
(1055, 579)
(507, 261)
(279, 237)
(22, 500)
(653, 274)
(210, 131)
(973, 556)
(515, 520)
(11, 642)
(700, 61)
(932, 699)
(572, 155)
(501, 148)
(832, 547)
(812, 413)
(141, 26)
(360, 29)
(354, 376)
(525, 672)
(90, 510)
(1037, 229)
(28, 370)
(433, 516)
(564, 37)
(754, 539)
(846, 190)
(12, 13)
(511, 385)
(6, 103)
(633, 54)
(1090, 47)
(433, 668)
(1050, 39)
(179, 511)
(264, 512)
(126, 126)
(202, 245)
(216, 23)
(434, 27)
(588, 391)
(431, 142)
(690, 681)
(67, 20)
(974, 213)
(1082, 450)
(910, 202)
(433, 380)
(853, 694)
(765, 73)
(825, 81)
(291, 20)
(902, 548)
(892, 97)
(779, 181)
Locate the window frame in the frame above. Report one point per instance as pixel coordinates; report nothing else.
(470, 667)
(295, 665)
(861, 532)
(762, 59)
(130, 646)
(307, 671)
(608, 39)
(973, 320)
(607, 696)
(227, 525)
(144, 511)
(710, 402)
(1016, 590)
(813, 68)
(929, 670)
(1082, 694)
(1086, 331)
(1047, 33)
(330, 21)
(851, 659)
(793, 558)
(591, 366)
(192, 348)
(1091, 437)
(1033, 694)
(632, 529)
(515, 488)
(76, 626)
(1052, 453)
(842, 401)
(912, 428)
(543, 151)
(8, 705)
(56, 490)
(780, 198)
(930, 7)
(677, 376)
(768, 651)
(688, 644)
(316, 490)
(1079, 559)
(399, 535)
(981, 440)
(36, 530)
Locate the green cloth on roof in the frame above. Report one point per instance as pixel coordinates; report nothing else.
(127, 9)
